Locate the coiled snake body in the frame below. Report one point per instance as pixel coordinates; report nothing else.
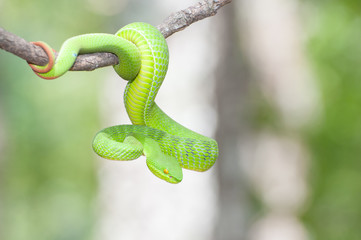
(143, 61)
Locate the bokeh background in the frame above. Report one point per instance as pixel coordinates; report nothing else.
(276, 82)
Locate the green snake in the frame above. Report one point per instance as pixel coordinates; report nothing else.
(143, 61)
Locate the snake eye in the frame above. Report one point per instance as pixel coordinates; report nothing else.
(166, 171)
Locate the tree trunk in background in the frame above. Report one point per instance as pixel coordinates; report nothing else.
(232, 94)
(265, 95)
(277, 161)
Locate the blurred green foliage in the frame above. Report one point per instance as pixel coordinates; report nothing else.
(47, 166)
(48, 179)
(334, 210)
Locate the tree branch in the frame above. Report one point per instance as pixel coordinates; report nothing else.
(180, 20)
(88, 62)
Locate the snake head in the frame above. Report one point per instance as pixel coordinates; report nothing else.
(166, 167)
(160, 164)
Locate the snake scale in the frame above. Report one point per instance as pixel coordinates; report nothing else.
(143, 62)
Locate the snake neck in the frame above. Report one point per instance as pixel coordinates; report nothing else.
(157, 119)
(140, 93)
